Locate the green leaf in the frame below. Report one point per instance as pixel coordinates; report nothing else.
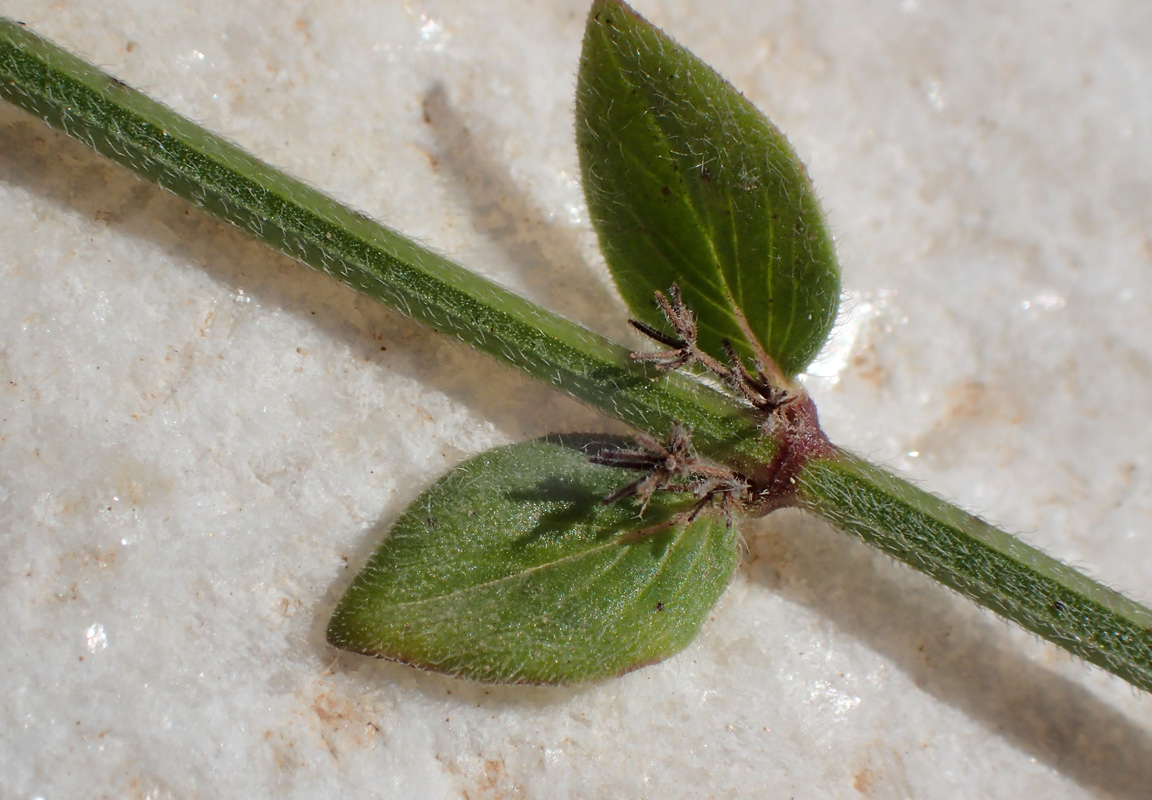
(687, 182)
(511, 569)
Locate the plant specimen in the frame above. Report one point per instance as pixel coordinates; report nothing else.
(575, 558)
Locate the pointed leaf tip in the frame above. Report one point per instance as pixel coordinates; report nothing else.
(688, 183)
(510, 569)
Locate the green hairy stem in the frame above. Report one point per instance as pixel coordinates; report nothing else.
(985, 564)
(161, 146)
(982, 562)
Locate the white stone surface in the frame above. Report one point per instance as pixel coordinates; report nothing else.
(201, 440)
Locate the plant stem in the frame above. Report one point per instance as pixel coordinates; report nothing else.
(982, 562)
(161, 146)
(988, 565)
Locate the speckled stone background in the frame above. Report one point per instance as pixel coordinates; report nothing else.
(201, 441)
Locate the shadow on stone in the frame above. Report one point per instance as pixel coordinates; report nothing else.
(953, 651)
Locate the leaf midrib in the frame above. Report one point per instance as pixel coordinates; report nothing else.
(706, 231)
(538, 567)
